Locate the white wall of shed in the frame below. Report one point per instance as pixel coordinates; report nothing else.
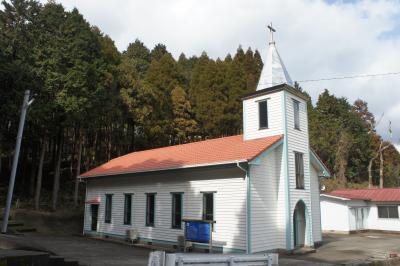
(334, 215)
(388, 224)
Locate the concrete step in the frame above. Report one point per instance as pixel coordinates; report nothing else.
(69, 262)
(56, 261)
(15, 224)
(23, 257)
(26, 230)
(303, 250)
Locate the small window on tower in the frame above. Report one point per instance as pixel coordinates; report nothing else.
(263, 114)
(296, 111)
(299, 165)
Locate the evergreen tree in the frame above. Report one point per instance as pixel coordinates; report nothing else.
(206, 94)
(158, 52)
(139, 56)
(340, 137)
(184, 125)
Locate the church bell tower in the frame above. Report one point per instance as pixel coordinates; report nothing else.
(263, 110)
(277, 108)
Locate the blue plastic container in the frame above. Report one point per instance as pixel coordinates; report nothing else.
(197, 231)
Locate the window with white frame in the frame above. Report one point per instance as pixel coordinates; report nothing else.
(208, 206)
(388, 211)
(176, 215)
(108, 208)
(150, 208)
(128, 209)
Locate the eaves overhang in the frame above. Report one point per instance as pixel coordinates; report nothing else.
(315, 160)
(276, 88)
(162, 170)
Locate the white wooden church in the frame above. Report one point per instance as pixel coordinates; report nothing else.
(261, 188)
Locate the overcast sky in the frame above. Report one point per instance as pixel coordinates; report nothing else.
(316, 39)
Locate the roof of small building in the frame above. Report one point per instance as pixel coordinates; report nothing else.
(370, 194)
(202, 153)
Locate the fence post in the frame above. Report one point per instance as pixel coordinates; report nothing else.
(157, 258)
(232, 261)
(180, 261)
(170, 259)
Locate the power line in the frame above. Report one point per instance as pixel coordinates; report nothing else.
(351, 77)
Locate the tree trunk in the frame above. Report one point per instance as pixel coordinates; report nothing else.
(39, 175)
(32, 177)
(381, 170)
(56, 184)
(370, 185)
(342, 155)
(78, 171)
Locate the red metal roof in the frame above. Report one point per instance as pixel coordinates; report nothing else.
(207, 152)
(371, 194)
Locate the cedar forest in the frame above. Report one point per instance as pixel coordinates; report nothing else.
(93, 103)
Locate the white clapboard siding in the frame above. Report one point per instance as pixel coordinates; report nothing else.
(251, 117)
(334, 215)
(375, 223)
(338, 215)
(315, 205)
(298, 141)
(268, 203)
(230, 203)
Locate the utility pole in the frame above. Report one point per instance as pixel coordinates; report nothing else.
(24, 107)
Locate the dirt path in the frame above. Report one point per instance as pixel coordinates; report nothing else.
(91, 251)
(354, 248)
(338, 249)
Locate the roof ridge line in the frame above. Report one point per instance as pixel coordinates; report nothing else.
(183, 144)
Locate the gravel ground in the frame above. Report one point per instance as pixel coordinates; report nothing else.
(337, 249)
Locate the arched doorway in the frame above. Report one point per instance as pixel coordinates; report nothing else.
(299, 224)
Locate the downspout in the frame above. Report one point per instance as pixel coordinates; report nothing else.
(248, 208)
(287, 181)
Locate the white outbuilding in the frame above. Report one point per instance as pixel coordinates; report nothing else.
(261, 188)
(352, 210)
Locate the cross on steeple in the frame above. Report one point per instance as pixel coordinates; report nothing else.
(271, 34)
(274, 71)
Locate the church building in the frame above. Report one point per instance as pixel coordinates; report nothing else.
(261, 188)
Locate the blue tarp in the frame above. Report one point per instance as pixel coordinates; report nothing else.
(197, 231)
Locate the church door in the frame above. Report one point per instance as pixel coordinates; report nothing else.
(299, 224)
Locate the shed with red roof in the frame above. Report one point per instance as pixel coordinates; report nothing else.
(349, 210)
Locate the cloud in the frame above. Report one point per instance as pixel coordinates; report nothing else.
(316, 39)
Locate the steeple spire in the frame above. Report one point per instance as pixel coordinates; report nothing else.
(274, 71)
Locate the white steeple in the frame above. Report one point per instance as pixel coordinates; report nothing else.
(274, 71)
